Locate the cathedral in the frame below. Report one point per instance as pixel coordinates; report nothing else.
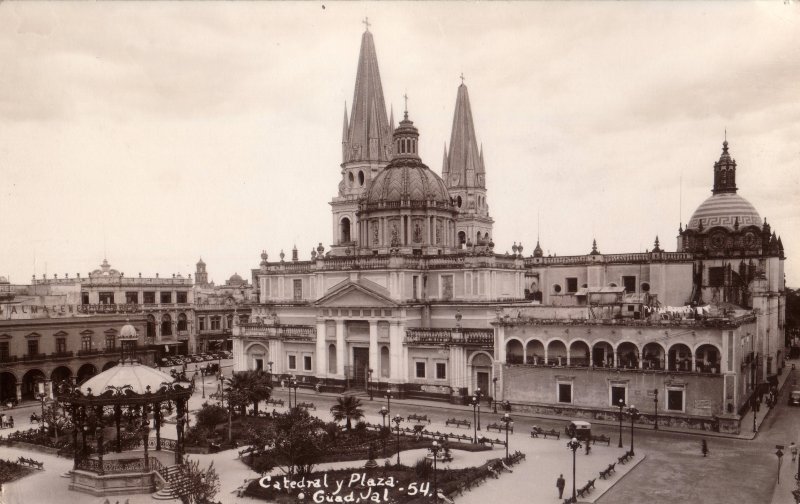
(411, 298)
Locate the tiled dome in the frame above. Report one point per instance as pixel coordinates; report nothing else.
(405, 180)
(725, 209)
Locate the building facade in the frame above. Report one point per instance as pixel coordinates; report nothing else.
(411, 296)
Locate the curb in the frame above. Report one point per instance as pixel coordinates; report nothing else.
(600, 496)
(447, 406)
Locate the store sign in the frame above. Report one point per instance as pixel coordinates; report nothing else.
(12, 311)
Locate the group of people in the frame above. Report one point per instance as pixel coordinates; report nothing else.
(6, 422)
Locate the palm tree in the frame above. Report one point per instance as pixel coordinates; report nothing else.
(347, 408)
(250, 386)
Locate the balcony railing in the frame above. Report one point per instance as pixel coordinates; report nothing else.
(373, 262)
(463, 337)
(279, 331)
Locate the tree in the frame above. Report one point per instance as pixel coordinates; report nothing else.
(249, 387)
(211, 415)
(295, 439)
(347, 408)
(196, 485)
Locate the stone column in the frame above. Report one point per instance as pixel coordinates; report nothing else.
(340, 348)
(373, 347)
(395, 353)
(19, 391)
(321, 350)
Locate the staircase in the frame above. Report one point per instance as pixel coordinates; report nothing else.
(174, 483)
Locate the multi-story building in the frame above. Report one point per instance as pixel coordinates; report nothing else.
(216, 306)
(411, 296)
(48, 336)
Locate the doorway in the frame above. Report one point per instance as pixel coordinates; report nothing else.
(360, 366)
(483, 382)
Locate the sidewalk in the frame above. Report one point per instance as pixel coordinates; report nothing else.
(746, 431)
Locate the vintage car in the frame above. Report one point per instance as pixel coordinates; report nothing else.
(579, 429)
(794, 398)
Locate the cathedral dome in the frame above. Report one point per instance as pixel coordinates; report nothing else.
(407, 181)
(406, 178)
(725, 209)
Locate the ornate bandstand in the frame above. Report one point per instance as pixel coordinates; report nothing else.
(124, 401)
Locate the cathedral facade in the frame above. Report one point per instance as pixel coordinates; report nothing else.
(410, 297)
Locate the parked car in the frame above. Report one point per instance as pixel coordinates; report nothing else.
(579, 429)
(794, 398)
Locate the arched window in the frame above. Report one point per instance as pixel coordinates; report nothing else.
(360, 177)
(345, 230)
(350, 178)
(182, 324)
(462, 237)
(166, 325)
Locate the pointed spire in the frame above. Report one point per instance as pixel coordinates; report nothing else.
(391, 120)
(465, 159)
(537, 252)
(368, 136)
(594, 248)
(656, 246)
(445, 167)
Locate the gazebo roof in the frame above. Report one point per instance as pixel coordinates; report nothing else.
(137, 376)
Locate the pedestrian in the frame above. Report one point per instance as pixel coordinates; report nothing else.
(11, 421)
(588, 447)
(560, 483)
(793, 449)
(704, 448)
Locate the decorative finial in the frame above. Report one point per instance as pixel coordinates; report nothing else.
(462, 78)
(366, 22)
(405, 98)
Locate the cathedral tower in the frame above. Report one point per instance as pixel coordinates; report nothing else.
(366, 146)
(463, 172)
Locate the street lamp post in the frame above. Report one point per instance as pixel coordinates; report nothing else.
(383, 413)
(293, 385)
(494, 397)
(388, 403)
(435, 451)
(573, 445)
(203, 379)
(397, 419)
(506, 420)
(369, 384)
(755, 411)
(655, 400)
(269, 372)
(634, 413)
(478, 395)
(42, 398)
(475, 418)
(621, 405)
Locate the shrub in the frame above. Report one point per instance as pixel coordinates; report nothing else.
(210, 415)
(423, 468)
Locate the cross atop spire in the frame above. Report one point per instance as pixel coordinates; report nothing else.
(366, 22)
(462, 77)
(405, 98)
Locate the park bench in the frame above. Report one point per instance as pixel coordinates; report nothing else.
(418, 418)
(538, 431)
(587, 488)
(35, 418)
(602, 439)
(30, 463)
(485, 440)
(500, 428)
(458, 423)
(624, 458)
(605, 473)
(569, 500)
(275, 402)
(247, 451)
(307, 405)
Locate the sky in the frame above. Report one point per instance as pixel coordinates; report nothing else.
(156, 133)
